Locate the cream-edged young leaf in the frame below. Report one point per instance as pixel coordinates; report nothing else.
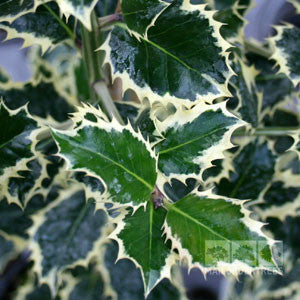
(186, 64)
(192, 139)
(66, 233)
(216, 233)
(139, 236)
(18, 139)
(287, 51)
(117, 155)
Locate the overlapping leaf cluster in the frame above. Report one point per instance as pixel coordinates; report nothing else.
(179, 181)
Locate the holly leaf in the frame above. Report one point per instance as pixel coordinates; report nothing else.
(254, 168)
(212, 241)
(185, 64)
(192, 139)
(122, 151)
(39, 27)
(18, 140)
(65, 233)
(286, 51)
(145, 246)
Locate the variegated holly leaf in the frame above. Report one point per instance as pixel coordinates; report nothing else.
(275, 88)
(192, 139)
(43, 98)
(254, 167)
(39, 27)
(248, 99)
(18, 139)
(65, 233)
(185, 64)
(12, 9)
(213, 232)
(115, 154)
(139, 236)
(132, 287)
(287, 51)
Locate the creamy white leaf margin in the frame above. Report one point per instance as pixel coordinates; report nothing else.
(280, 56)
(21, 165)
(146, 92)
(234, 268)
(182, 117)
(13, 198)
(30, 39)
(67, 8)
(290, 180)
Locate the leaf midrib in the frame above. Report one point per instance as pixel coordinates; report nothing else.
(191, 141)
(197, 222)
(148, 185)
(169, 54)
